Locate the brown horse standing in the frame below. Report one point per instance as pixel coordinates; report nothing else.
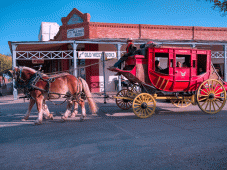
(42, 89)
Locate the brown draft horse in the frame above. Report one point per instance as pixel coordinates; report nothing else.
(42, 88)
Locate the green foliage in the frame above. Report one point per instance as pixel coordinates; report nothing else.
(5, 62)
(221, 5)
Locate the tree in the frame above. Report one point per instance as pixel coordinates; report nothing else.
(220, 5)
(5, 62)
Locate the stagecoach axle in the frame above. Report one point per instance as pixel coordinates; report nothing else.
(211, 96)
(144, 105)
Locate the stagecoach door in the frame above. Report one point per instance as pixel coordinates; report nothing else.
(182, 66)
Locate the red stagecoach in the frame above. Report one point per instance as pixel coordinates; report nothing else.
(196, 82)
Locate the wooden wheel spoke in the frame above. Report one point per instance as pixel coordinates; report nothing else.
(207, 104)
(213, 105)
(205, 87)
(212, 85)
(178, 103)
(150, 103)
(147, 112)
(140, 100)
(143, 98)
(203, 95)
(204, 91)
(181, 102)
(208, 85)
(123, 103)
(138, 110)
(216, 103)
(219, 97)
(215, 86)
(119, 102)
(210, 105)
(203, 103)
(150, 110)
(217, 89)
(137, 106)
(202, 99)
(218, 93)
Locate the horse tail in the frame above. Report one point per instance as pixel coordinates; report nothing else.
(88, 94)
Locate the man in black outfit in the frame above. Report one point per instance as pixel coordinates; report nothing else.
(131, 48)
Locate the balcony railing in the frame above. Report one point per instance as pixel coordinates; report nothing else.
(217, 54)
(28, 55)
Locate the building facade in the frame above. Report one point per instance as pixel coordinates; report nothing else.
(77, 28)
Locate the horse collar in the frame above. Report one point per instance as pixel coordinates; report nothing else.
(20, 73)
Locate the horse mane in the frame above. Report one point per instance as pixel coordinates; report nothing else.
(43, 74)
(28, 68)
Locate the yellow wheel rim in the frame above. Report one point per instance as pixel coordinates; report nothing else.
(181, 102)
(144, 105)
(211, 96)
(122, 103)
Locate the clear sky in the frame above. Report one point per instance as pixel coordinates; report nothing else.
(20, 20)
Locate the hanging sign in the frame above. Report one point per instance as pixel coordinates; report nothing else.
(96, 55)
(37, 61)
(76, 32)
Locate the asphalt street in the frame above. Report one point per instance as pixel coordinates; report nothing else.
(173, 138)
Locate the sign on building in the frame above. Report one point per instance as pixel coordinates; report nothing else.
(37, 61)
(96, 55)
(76, 32)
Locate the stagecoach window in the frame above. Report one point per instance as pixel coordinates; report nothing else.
(201, 62)
(184, 60)
(164, 62)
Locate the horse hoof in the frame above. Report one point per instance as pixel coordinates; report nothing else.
(73, 115)
(38, 122)
(51, 117)
(63, 118)
(82, 119)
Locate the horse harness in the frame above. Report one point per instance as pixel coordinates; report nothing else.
(31, 85)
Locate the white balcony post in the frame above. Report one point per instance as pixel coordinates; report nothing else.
(118, 57)
(225, 60)
(75, 59)
(14, 53)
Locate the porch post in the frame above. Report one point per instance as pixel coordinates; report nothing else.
(14, 46)
(225, 60)
(118, 57)
(75, 59)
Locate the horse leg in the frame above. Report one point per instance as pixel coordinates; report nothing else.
(68, 110)
(39, 104)
(83, 115)
(46, 112)
(75, 109)
(31, 104)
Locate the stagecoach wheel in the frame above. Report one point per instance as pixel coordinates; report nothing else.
(134, 88)
(181, 102)
(124, 104)
(211, 96)
(144, 105)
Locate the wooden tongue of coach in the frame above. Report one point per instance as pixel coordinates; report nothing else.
(193, 81)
